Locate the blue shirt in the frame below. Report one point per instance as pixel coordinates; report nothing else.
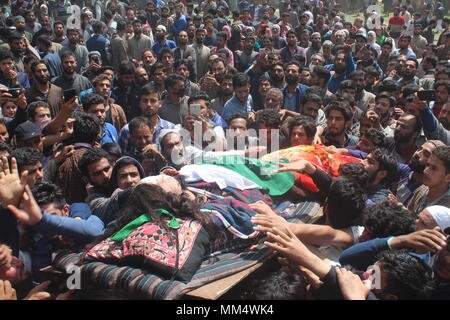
(179, 24)
(409, 53)
(109, 134)
(293, 102)
(335, 82)
(158, 46)
(234, 105)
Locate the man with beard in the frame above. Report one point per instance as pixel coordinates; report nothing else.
(30, 22)
(292, 49)
(138, 42)
(294, 92)
(222, 38)
(148, 59)
(320, 77)
(442, 88)
(126, 90)
(363, 98)
(411, 175)
(242, 101)
(382, 169)
(316, 46)
(342, 67)
(174, 107)
(184, 67)
(79, 52)
(58, 29)
(409, 73)
(245, 58)
(225, 93)
(43, 89)
(403, 47)
(183, 51)
(70, 79)
(161, 41)
(384, 106)
(418, 42)
(201, 53)
(149, 105)
(383, 57)
(19, 23)
(403, 144)
(43, 44)
(277, 75)
(339, 119)
(18, 46)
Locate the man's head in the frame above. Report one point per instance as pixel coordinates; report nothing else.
(126, 174)
(404, 41)
(175, 85)
(292, 73)
(218, 68)
(148, 58)
(385, 104)
(86, 128)
(291, 38)
(141, 76)
(277, 73)
(50, 198)
(4, 135)
(203, 100)
(166, 58)
(420, 158)
(371, 139)
(58, 28)
(437, 171)
(274, 99)
(319, 76)
(141, 132)
(40, 72)
(268, 122)
(238, 124)
(241, 87)
(69, 62)
(102, 85)
(302, 131)
(126, 73)
(158, 73)
(358, 76)
(410, 68)
(349, 87)
(381, 166)
(137, 28)
(94, 105)
(442, 88)
(407, 129)
(39, 113)
(339, 63)
(29, 159)
(149, 102)
(73, 36)
(311, 106)
(28, 134)
(338, 119)
(95, 166)
(172, 147)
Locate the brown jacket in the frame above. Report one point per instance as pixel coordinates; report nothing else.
(119, 119)
(53, 98)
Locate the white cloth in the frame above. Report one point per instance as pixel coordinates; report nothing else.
(222, 176)
(441, 215)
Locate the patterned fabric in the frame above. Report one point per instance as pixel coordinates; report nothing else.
(158, 249)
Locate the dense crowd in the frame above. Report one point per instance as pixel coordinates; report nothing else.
(123, 123)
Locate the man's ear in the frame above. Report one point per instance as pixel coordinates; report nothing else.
(447, 178)
(66, 210)
(382, 174)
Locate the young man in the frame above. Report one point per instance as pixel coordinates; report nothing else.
(238, 137)
(338, 120)
(407, 129)
(242, 101)
(95, 105)
(301, 131)
(149, 105)
(174, 106)
(140, 136)
(78, 51)
(293, 93)
(138, 42)
(70, 79)
(436, 179)
(384, 106)
(342, 67)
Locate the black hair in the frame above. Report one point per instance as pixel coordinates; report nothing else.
(200, 96)
(113, 149)
(418, 124)
(443, 154)
(322, 72)
(386, 162)
(269, 117)
(377, 137)
(346, 201)
(5, 54)
(97, 26)
(86, 128)
(348, 84)
(306, 122)
(389, 97)
(46, 193)
(164, 51)
(92, 99)
(355, 171)
(138, 122)
(126, 67)
(238, 116)
(67, 54)
(389, 85)
(4, 146)
(31, 109)
(407, 276)
(91, 156)
(172, 79)
(280, 285)
(26, 156)
(313, 97)
(433, 60)
(346, 111)
(388, 218)
(315, 90)
(240, 79)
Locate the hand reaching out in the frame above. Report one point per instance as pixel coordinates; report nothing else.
(302, 166)
(7, 292)
(351, 285)
(29, 212)
(11, 185)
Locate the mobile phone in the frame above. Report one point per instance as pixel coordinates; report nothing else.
(69, 94)
(15, 92)
(194, 109)
(426, 95)
(95, 59)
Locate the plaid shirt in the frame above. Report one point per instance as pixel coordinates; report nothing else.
(124, 136)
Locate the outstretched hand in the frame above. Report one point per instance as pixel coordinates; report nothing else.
(302, 166)
(11, 185)
(29, 212)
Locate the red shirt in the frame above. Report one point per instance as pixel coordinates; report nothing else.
(399, 21)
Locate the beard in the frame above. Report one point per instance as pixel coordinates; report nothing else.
(199, 40)
(159, 38)
(316, 45)
(339, 69)
(277, 78)
(43, 80)
(227, 92)
(416, 166)
(20, 29)
(291, 80)
(445, 123)
(400, 139)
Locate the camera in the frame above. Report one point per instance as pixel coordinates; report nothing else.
(15, 92)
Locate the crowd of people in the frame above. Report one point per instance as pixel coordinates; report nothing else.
(107, 105)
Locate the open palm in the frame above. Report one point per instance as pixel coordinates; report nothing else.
(11, 185)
